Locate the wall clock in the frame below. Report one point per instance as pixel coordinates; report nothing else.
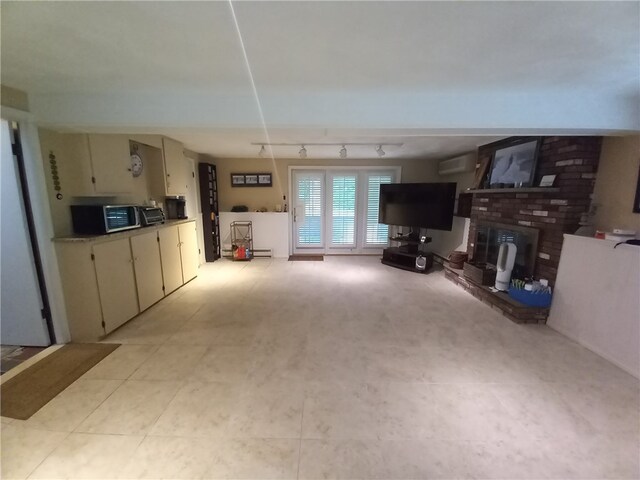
(136, 164)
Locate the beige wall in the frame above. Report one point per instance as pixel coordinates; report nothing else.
(616, 182)
(269, 197)
(14, 98)
(444, 242)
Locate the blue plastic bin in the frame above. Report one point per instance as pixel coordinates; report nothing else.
(531, 299)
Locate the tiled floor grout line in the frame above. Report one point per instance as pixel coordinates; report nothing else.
(304, 401)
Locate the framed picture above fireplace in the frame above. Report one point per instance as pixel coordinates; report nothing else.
(514, 162)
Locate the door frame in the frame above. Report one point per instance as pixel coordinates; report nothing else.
(43, 225)
(325, 169)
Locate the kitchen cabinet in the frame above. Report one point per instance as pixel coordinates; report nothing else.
(110, 164)
(188, 250)
(171, 262)
(148, 269)
(174, 166)
(116, 282)
(86, 165)
(82, 299)
(108, 279)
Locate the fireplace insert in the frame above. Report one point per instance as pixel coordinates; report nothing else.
(489, 237)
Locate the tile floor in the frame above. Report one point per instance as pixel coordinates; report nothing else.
(336, 369)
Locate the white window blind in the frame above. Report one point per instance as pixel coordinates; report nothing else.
(375, 233)
(310, 195)
(343, 211)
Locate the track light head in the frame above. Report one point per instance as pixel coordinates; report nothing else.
(263, 152)
(343, 152)
(380, 151)
(303, 152)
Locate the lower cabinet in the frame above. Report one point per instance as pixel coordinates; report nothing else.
(188, 250)
(170, 254)
(116, 283)
(148, 269)
(107, 282)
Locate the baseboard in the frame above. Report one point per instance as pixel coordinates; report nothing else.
(595, 350)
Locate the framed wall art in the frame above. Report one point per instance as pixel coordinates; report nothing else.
(237, 180)
(514, 163)
(251, 180)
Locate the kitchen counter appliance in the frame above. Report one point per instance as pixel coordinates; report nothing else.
(176, 207)
(150, 215)
(101, 219)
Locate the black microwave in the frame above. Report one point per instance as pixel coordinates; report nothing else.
(101, 219)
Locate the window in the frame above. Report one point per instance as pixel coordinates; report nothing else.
(310, 195)
(343, 211)
(375, 233)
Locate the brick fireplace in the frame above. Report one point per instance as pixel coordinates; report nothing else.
(574, 161)
(554, 212)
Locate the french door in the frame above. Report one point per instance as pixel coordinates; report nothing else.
(335, 211)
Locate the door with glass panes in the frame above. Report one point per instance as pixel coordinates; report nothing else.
(335, 211)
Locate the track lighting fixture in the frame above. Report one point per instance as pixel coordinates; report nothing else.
(302, 153)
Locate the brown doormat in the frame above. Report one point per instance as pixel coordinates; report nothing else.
(308, 258)
(30, 390)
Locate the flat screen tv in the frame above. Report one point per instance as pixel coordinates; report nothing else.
(425, 205)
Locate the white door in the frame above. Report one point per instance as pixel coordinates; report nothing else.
(21, 318)
(308, 211)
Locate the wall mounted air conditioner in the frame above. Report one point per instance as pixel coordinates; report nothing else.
(461, 164)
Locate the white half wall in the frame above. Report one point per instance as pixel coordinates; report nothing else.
(596, 301)
(270, 230)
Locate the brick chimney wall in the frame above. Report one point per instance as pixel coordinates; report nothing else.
(574, 161)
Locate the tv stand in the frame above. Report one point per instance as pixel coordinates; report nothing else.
(405, 255)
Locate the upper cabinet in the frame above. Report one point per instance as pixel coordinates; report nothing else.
(176, 180)
(110, 164)
(100, 165)
(87, 165)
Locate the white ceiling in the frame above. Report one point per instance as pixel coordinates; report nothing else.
(409, 72)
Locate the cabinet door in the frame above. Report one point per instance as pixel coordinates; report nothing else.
(111, 163)
(116, 283)
(146, 261)
(176, 180)
(189, 250)
(170, 255)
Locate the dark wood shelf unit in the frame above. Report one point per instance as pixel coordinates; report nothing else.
(398, 258)
(209, 201)
(464, 204)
